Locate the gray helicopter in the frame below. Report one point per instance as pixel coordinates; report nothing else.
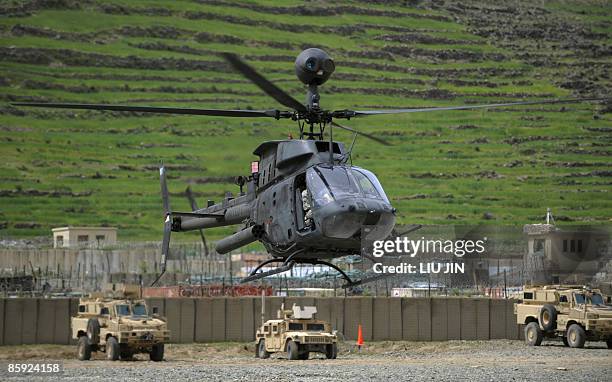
(304, 200)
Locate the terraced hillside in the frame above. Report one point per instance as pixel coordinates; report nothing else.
(63, 167)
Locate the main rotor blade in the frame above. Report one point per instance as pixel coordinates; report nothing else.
(163, 110)
(362, 134)
(264, 84)
(360, 113)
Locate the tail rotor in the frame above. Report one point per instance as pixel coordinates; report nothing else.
(167, 223)
(194, 207)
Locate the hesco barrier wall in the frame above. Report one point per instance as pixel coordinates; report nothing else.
(32, 320)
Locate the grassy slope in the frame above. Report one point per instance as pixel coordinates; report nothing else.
(460, 172)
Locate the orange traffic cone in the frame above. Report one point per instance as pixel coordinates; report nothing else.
(359, 337)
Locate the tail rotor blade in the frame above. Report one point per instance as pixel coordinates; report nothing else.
(164, 190)
(165, 249)
(204, 242)
(194, 207)
(166, 243)
(192, 201)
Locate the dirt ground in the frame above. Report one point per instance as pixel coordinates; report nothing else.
(452, 360)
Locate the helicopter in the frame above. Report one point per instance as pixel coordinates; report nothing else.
(303, 200)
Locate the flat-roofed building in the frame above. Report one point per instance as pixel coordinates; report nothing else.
(70, 237)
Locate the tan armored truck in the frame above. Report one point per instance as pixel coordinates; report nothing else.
(573, 313)
(298, 333)
(118, 327)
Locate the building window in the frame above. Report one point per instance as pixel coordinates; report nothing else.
(59, 241)
(100, 239)
(572, 245)
(564, 245)
(579, 245)
(83, 238)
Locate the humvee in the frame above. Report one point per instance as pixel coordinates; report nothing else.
(298, 333)
(573, 313)
(118, 327)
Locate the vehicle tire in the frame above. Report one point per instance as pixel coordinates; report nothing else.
(576, 336)
(548, 317)
(261, 350)
(304, 355)
(609, 343)
(112, 349)
(331, 351)
(292, 350)
(564, 339)
(157, 353)
(83, 349)
(533, 334)
(93, 331)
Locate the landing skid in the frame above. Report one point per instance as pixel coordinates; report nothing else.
(289, 263)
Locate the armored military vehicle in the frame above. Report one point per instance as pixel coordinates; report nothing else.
(298, 333)
(119, 327)
(573, 313)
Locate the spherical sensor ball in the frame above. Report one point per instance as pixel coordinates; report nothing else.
(314, 66)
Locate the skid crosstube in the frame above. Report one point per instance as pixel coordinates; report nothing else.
(289, 263)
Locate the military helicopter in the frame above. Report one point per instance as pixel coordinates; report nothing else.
(303, 201)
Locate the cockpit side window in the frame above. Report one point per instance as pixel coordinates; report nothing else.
(374, 181)
(319, 192)
(366, 185)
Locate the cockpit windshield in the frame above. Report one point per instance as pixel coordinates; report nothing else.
(338, 180)
(328, 183)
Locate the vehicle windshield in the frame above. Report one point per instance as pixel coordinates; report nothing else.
(295, 326)
(123, 310)
(329, 183)
(595, 299)
(140, 310)
(315, 327)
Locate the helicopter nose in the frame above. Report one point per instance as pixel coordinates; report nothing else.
(350, 217)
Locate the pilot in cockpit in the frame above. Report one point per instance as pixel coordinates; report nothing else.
(307, 207)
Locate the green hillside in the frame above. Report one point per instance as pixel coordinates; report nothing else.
(62, 167)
